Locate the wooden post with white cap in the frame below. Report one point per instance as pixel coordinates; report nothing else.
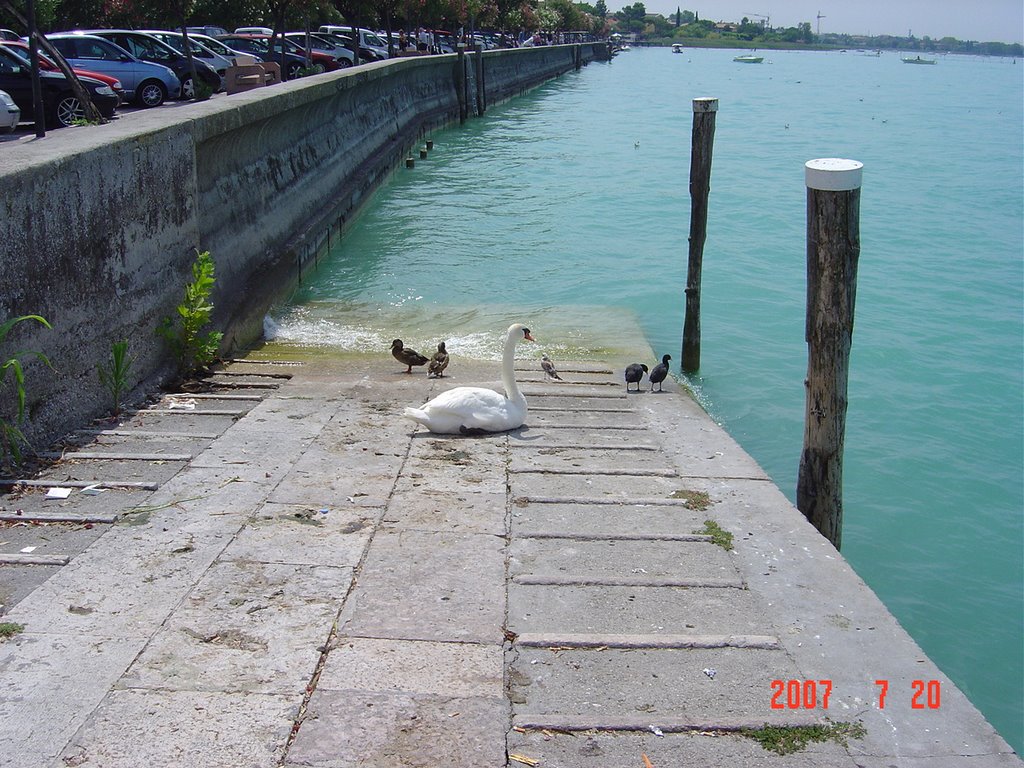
(702, 142)
(833, 249)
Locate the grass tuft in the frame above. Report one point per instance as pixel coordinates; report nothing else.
(785, 740)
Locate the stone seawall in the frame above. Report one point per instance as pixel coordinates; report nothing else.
(99, 225)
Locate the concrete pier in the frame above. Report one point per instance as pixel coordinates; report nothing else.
(297, 576)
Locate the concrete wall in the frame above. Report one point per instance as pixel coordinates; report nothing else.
(99, 225)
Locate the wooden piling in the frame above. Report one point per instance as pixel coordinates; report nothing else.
(478, 59)
(833, 249)
(701, 145)
(460, 83)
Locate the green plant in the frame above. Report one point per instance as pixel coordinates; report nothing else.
(114, 374)
(10, 435)
(785, 740)
(9, 629)
(718, 535)
(193, 348)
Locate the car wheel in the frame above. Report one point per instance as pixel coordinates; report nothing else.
(343, 63)
(188, 88)
(294, 70)
(151, 93)
(68, 109)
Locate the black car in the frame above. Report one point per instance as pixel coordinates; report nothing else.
(148, 48)
(62, 107)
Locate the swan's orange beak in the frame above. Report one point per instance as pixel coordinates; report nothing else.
(527, 336)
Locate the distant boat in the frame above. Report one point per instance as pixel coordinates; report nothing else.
(677, 48)
(917, 60)
(749, 59)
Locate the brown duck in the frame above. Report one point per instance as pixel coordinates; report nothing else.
(438, 363)
(406, 356)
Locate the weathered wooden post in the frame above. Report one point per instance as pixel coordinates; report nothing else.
(478, 59)
(833, 248)
(701, 145)
(460, 82)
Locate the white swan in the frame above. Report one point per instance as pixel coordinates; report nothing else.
(478, 409)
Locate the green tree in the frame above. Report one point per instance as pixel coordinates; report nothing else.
(601, 9)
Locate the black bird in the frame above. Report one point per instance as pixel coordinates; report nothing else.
(660, 372)
(635, 372)
(409, 357)
(549, 367)
(438, 363)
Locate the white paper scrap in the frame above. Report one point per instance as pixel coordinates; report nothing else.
(93, 490)
(58, 493)
(26, 550)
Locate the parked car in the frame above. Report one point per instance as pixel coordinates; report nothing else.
(259, 46)
(9, 34)
(148, 48)
(21, 48)
(200, 52)
(254, 31)
(218, 47)
(10, 115)
(336, 48)
(376, 49)
(61, 106)
(208, 31)
(145, 83)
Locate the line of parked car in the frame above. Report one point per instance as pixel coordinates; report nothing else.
(148, 67)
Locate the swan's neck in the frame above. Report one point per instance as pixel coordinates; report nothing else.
(508, 370)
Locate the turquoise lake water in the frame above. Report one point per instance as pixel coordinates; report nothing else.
(568, 209)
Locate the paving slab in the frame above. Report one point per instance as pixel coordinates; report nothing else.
(246, 626)
(456, 509)
(133, 728)
(617, 487)
(304, 535)
(583, 561)
(421, 585)
(634, 610)
(91, 471)
(671, 750)
(51, 681)
(529, 437)
(613, 688)
(581, 459)
(415, 666)
(541, 420)
(605, 519)
(355, 729)
(317, 479)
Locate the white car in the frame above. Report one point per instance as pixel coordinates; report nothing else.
(10, 115)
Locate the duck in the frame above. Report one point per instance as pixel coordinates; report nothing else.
(660, 372)
(635, 372)
(474, 410)
(406, 356)
(435, 370)
(549, 367)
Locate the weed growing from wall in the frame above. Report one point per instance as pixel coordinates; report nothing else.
(194, 348)
(11, 437)
(114, 373)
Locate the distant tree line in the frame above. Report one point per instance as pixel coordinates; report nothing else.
(530, 15)
(686, 25)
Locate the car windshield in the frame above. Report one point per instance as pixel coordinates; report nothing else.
(217, 46)
(250, 44)
(371, 39)
(146, 47)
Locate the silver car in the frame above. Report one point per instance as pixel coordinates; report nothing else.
(200, 51)
(10, 115)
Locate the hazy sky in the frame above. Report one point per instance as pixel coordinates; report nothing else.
(981, 20)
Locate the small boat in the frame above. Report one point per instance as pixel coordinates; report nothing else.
(917, 60)
(677, 48)
(749, 59)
